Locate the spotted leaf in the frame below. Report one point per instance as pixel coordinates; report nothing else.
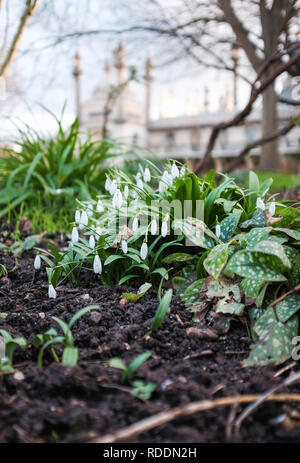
(228, 226)
(253, 265)
(216, 260)
(286, 308)
(258, 220)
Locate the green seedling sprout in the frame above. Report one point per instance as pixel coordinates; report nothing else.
(143, 390)
(50, 337)
(162, 310)
(128, 370)
(134, 297)
(10, 346)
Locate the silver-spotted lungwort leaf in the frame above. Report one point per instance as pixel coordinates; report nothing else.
(200, 225)
(195, 235)
(230, 307)
(251, 286)
(275, 340)
(192, 292)
(258, 220)
(286, 308)
(253, 265)
(295, 234)
(261, 296)
(292, 254)
(272, 248)
(228, 226)
(223, 289)
(216, 260)
(256, 235)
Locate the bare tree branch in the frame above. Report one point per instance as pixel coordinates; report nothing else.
(30, 7)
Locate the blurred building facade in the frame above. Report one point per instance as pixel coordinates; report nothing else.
(184, 137)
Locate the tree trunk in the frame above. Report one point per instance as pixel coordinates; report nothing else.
(269, 156)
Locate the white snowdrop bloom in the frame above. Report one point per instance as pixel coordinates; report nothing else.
(37, 262)
(161, 187)
(218, 231)
(107, 184)
(118, 199)
(140, 184)
(260, 204)
(84, 220)
(113, 187)
(174, 171)
(75, 235)
(182, 171)
(92, 242)
(124, 246)
(100, 207)
(147, 175)
(164, 229)
(272, 208)
(153, 227)
(144, 251)
(89, 213)
(138, 176)
(51, 292)
(135, 224)
(97, 266)
(98, 232)
(126, 192)
(77, 216)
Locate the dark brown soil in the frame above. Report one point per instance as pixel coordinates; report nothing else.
(60, 404)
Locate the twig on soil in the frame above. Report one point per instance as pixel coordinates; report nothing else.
(284, 369)
(279, 299)
(231, 419)
(165, 417)
(250, 409)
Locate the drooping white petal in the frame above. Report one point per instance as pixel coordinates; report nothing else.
(260, 204)
(174, 171)
(164, 229)
(92, 242)
(100, 207)
(84, 220)
(153, 227)
(218, 231)
(147, 175)
(182, 171)
(117, 199)
(161, 187)
(124, 246)
(107, 184)
(89, 212)
(126, 192)
(135, 224)
(113, 187)
(98, 233)
(37, 262)
(138, 176)
(75, 235)
(144, 251)
(272, 208)
(77, 216)
(140, 184)
(97, 266)
(51, 292)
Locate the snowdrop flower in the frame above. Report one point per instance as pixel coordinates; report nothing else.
(260, 204)
(161, 187)
(89, 212)
(174, 171)
(51, 292)
(218, 231)
(140, 184)
(92, 242)
(153, 227)
(167, 178)
(75, 236)
(113, 187)
(107, 184)
(37, 262)
(147, 175)
(98, 232)
(99, 207)
(138, 176)
(77, 216)
(124, 246)
(164, 229)
(182, 171)
(144, 251)
(84, 218)
(126, 191)
(135, 224)
(97, 266)
(117, 199)
(272, 208)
